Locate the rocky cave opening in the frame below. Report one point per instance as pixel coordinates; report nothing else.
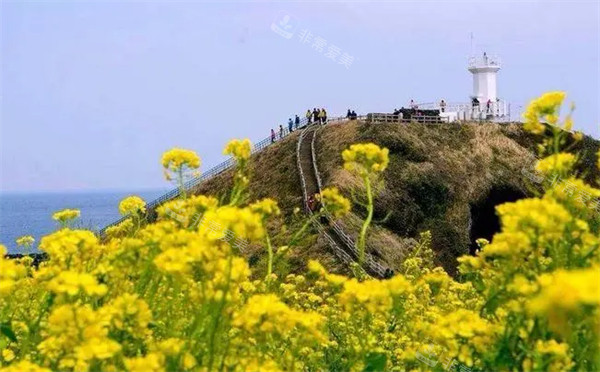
(484, 220)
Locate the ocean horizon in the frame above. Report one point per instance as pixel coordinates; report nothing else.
(30, 213)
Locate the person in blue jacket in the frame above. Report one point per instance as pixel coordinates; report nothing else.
(290, 125)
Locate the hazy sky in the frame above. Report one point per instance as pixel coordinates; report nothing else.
(93, 93)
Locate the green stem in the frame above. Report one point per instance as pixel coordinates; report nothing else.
(363, 231)
(299, 233)
(180, 182)
(270, 250)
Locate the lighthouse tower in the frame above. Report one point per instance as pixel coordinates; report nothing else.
(484, 69)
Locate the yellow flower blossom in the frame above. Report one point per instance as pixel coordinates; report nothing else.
(8, 355)
(266, 207)
(152, 362)
(239, 149)
(365, 158)
(72, 283)
(66, 215)
(566, 291)
(267, 314)
(25, 241)
(560, 164)
(132, 205)
(177, 158)
(545, 107)
(334, 202)
(24, 366)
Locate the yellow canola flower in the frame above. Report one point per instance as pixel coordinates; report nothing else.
(10, 272)
(8, 355)
(335, 202)
(24, 366)
(66, 215)
(177, 158)
(121, 228)
(171, 346)
(187, 210)
(174, 261)
(70, 247)
(239, 149)
(266, 207)
(574, 192)
(561, 163)
(229, 221)
(374, 295)
(564, 291)
(152, 362)
(74, 335)
(268, 314)
(544, 217)
(132, 205)
(365, 158)
(129, 313)
(71, 283)
(558, 353)
(546, 108)
(25, 241)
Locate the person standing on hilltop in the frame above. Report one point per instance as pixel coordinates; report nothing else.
(272, 135)
(324, 116)
(443, 106)
(290, 125)
(349, 114)
(309, 116)
(297, 121)
(315, 114)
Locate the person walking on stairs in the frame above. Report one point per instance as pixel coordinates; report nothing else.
(290, 125)
(315, 115)
(272, 135)
(280, 131)
(297, 121)
(309, 116)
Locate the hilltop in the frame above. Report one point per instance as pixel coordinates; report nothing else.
(445, 178)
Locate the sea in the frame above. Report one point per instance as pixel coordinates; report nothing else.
(31, 213)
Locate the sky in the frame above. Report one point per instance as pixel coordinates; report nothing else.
(94, 92)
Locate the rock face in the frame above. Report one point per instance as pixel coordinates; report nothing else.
(445, 178)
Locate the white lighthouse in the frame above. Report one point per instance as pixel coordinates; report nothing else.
(485, 101)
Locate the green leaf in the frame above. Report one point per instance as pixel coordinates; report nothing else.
(8, 332)
(375, 362)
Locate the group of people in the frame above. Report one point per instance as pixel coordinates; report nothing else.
(351, 115)
(488, 104)
(316, 116)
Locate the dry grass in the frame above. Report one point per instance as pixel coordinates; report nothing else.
(437, 173)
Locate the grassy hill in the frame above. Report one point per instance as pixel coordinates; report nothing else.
(443, 178)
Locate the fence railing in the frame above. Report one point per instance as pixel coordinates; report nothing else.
(391, 118)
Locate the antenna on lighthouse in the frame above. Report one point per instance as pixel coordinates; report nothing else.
(472, 50)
